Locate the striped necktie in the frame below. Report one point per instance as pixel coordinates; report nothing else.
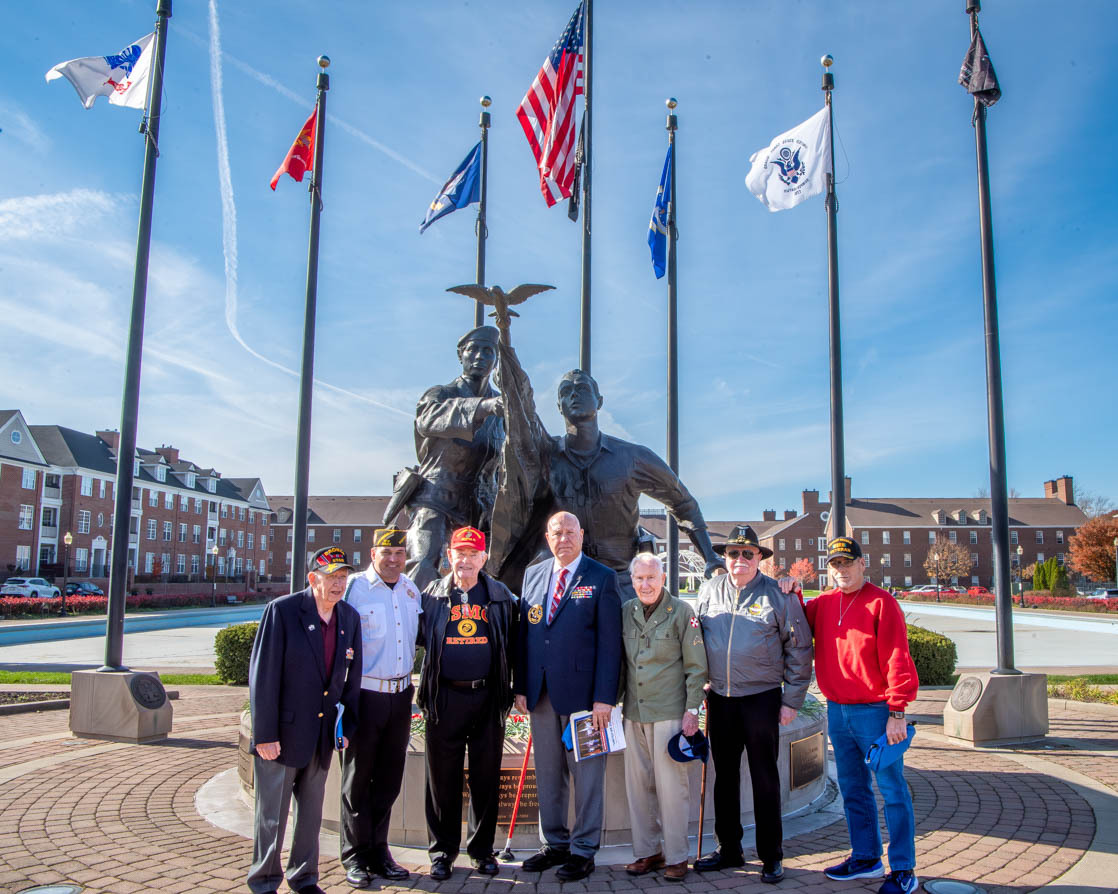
(557, 596)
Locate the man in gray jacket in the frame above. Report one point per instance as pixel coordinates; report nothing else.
(758, 647)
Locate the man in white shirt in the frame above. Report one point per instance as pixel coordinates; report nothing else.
(388, 603)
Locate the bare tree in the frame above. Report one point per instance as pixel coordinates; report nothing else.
(1093, 503)
(946, 560)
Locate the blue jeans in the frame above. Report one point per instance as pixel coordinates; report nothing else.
(853, 729)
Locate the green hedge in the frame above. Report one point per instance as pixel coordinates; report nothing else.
(934, 656)
(232, 648)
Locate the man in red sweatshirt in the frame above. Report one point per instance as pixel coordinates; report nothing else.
(864, 669)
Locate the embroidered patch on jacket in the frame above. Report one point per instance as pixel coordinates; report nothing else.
(695, 622)
(535, 614)
(756, 609)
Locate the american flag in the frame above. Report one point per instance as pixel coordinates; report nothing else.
(547, 111)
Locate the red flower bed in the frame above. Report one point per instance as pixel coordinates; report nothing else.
(25, 606)
(1040, 599)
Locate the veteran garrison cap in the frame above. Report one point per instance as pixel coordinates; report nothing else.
(389, 537)
(328, 560)
(487, 334)
(843, 548)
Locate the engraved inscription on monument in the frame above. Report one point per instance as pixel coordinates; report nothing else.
(966, 693)
(147, 691)
(808, 759)
(506, 787)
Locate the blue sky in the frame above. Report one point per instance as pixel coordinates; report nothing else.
(225, 305)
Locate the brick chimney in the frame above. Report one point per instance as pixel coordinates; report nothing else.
(789, 513)
(847, 485)
(169, 453)
(1061, 489)
(810, 500)
(110, 437)
(768, 515)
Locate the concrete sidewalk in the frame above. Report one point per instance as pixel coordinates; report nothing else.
(118, 818)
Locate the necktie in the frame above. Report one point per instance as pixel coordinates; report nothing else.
(557, 596)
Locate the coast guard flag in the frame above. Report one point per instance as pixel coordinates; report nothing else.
(123, 77)
(300, 157)
(547, 111)
(462, 189)
(794, 166)
(658, 226)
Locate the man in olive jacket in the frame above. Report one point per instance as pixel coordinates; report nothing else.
(664, 672)
(468, 628)
(759, 654)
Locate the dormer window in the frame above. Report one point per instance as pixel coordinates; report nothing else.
(160, 473)
(961, 516)
(211, 485)
(135, 468)
(191, 478)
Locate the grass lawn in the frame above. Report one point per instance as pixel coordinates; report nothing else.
(64, 678)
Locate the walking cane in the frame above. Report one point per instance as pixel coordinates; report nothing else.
(506, 854)
(702, 791)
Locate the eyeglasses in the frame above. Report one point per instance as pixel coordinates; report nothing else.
(746, 554)
(842, 563)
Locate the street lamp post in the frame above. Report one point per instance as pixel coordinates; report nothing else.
(68, 539)
(935, 564)
(1020, 583)
(1116, 561)
(213, 589)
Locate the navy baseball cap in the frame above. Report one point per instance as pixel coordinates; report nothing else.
(689, 748)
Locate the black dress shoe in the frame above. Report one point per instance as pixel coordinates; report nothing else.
(575, 868)
(719, 860)
(486, 865)
(440, 869)
(546, 858)
(771, 873)
(309, 889)
(388, 868)
(358, 876)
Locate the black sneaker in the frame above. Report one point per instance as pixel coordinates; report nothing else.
(850, 869)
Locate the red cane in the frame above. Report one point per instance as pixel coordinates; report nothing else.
(506, 854)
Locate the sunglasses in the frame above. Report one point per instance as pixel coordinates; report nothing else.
(746, 554)
(841, 563)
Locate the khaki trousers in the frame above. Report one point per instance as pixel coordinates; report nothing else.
(658, 791)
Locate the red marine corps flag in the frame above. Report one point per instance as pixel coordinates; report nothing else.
(547, 111)
(300, 157)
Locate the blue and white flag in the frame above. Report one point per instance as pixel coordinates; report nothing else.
(462, 189)
(794, 166)
(122, 77)
(658, 226)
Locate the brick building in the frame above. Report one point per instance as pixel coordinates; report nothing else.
(180, 511)
(345, 521)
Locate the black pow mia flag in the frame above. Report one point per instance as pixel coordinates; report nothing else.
(977, 73)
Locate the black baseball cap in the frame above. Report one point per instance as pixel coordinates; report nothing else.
(843, 548)
(328, 560)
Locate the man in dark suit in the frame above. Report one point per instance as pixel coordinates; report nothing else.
(299, 683)
(568, 660)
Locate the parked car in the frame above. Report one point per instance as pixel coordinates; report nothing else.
(83, 588)
(979, 591)
(35, 587)
(923, 588)
(1104, 593)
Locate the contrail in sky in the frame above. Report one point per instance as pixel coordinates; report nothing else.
(229, 218)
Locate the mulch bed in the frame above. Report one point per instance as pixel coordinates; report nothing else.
(15, 698)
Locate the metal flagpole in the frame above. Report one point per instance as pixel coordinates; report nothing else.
(130, 403)
(584, 334)
(306, 381)
(480, 225)
(999, 499)
(838, 476)
(673, 357)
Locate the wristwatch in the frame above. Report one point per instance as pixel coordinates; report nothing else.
(899, 715)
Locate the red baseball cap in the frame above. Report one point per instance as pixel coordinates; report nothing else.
(471, 538)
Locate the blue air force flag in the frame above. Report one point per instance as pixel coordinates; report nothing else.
(462, 189)
(123, 77)
(794, 166)
(658, 226)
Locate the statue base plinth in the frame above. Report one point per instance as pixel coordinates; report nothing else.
(121, 706)
(991, 709)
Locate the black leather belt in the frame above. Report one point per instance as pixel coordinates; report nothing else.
(466, 684)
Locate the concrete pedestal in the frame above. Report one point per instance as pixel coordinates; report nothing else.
(122, 706)
(997, 709)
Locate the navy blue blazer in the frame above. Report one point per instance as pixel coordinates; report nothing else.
(291, 699)
(578, 655)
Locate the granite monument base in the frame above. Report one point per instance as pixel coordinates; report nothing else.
(997, 709)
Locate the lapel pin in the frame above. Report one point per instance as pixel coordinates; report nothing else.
(310, 627)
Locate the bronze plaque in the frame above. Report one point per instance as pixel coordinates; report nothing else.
(966, 694)
(148, 691)
(529, 812)
(808, 758)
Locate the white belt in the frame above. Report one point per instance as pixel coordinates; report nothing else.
(376, 684)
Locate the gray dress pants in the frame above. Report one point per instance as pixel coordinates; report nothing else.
(273, 785)
(555, 766)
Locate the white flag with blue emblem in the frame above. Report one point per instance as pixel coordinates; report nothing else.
(794, 166)
(122, 77)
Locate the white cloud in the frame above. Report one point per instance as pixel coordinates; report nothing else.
(56, 215)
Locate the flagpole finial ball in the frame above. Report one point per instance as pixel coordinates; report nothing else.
(486, 102)
(671, 102)
(323, 61)
(827, 61)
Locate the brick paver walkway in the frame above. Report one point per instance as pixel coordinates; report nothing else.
(119, 818)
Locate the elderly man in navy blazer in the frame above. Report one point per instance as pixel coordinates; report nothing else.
(568, 660)
(299, 684)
